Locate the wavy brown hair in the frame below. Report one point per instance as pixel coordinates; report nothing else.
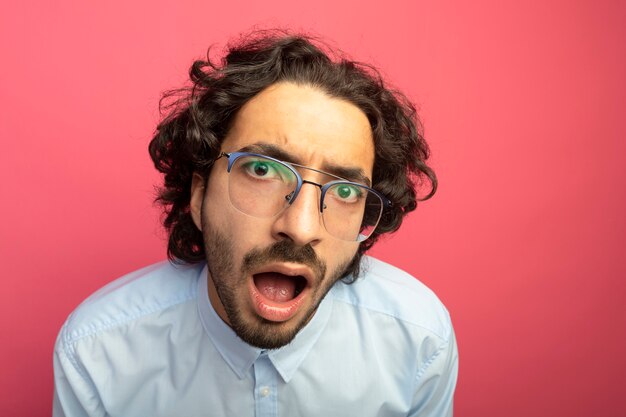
(197, 119)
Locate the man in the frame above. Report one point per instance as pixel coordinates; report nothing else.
(282, 167)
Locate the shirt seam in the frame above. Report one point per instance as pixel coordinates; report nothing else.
(69, 336)
(424, 367)
(78, 334)
(69, 351)
(445, 338)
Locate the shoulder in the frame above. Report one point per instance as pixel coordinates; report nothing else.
(386, 290)
(138, 294)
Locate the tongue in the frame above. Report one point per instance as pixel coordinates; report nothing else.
(275, 286)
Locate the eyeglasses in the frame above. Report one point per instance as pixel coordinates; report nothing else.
(262, 186)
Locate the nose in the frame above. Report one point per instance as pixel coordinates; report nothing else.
(301, 222)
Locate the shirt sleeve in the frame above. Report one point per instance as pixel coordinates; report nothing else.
(74, 392)
(436, 381)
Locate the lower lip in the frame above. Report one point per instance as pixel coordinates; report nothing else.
(273, 311)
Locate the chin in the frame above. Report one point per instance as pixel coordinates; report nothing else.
(266, 334)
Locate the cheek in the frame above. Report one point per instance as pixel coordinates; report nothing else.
(338, 253)
(218, 212)
(243, 231)
(249, 233)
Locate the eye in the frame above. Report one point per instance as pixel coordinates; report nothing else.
(260, 168)
(263, 169)
(347, 193)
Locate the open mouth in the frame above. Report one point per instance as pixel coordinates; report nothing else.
(278, 291)
(279, 287)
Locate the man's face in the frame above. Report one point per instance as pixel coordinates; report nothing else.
(268, 275)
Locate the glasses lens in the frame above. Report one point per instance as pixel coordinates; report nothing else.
(260, 187)
(351, 212)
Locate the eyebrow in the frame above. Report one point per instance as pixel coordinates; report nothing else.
(354, 174)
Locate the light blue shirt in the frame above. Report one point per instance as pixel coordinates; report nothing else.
(150, 344)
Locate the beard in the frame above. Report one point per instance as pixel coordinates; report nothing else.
(231, 285)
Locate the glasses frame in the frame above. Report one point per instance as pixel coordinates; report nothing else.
(233, 156)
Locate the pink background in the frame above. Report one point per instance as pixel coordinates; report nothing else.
(524, 107)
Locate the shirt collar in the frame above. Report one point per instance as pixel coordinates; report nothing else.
(240, 356)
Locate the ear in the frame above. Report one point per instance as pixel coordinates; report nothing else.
(197, 195)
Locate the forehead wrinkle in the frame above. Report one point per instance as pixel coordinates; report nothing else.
(352, 173)
(270, 149)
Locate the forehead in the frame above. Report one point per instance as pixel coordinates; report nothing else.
(318, 130)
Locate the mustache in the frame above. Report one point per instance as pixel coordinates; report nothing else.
(284, 251)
